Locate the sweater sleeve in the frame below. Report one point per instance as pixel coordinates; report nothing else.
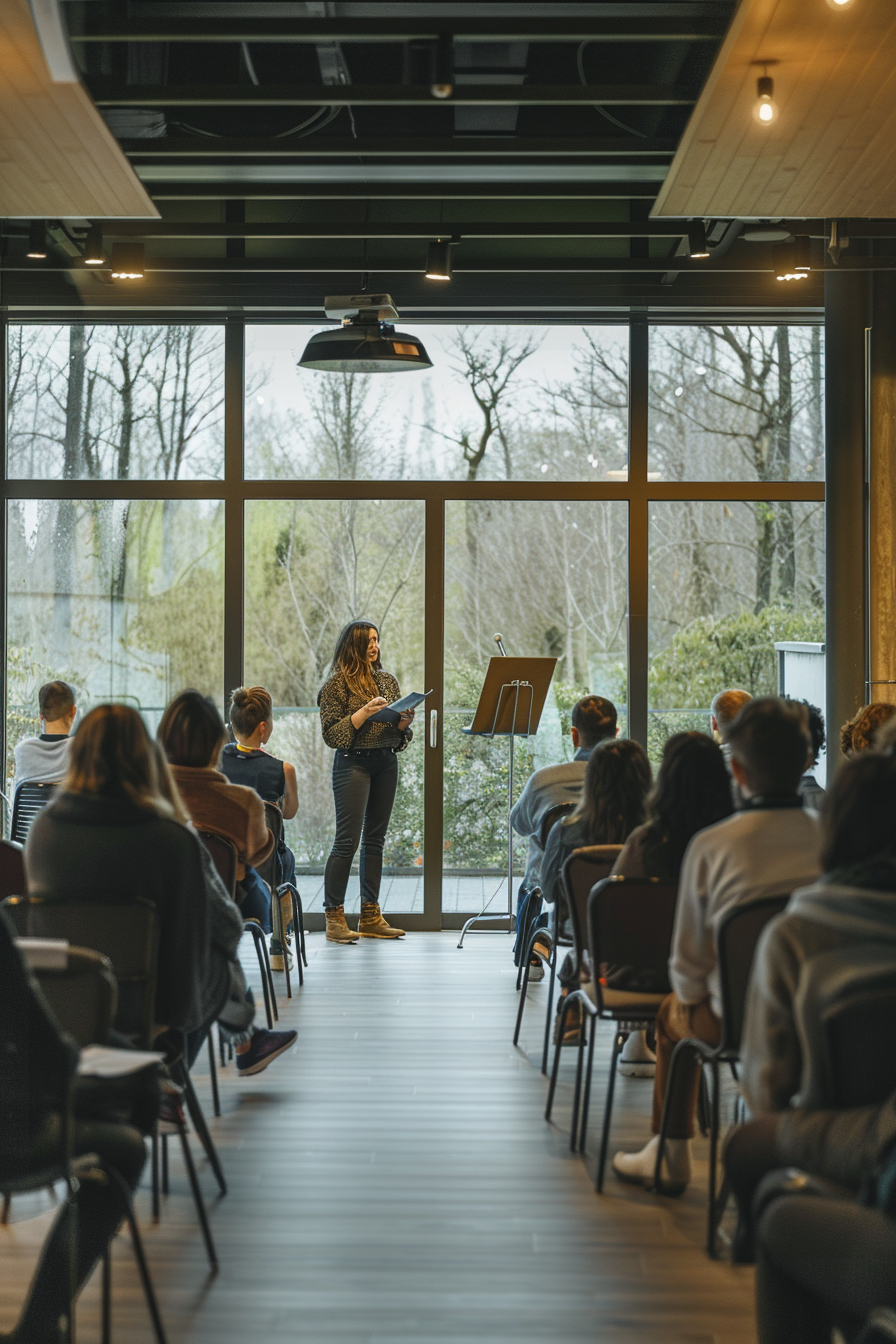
(335, 723)
(259, 840)
(771, 1054)
(555, 852)
(693, 955)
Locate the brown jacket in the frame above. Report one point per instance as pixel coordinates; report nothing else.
(228, 809)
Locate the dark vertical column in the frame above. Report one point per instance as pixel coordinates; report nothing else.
(234, 521)
(882, 490)
(433, 756)
(4, 625)
(638, 586)
(846, 319)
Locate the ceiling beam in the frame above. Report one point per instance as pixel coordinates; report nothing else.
(108, 27)
(107, 94)
(418, 146)
(396, 191)
(403, 229)
(747, 262)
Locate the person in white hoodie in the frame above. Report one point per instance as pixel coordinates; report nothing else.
(768, 849)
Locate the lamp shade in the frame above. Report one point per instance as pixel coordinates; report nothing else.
(365, 348)
(438, 261)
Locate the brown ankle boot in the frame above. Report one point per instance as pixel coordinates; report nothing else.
(337, 929)
(372, 925)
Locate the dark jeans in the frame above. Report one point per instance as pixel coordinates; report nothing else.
(364, 791)
(254, 899)
(819, 1263)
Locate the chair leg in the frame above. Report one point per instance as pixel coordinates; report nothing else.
(106, 1323)
(166, 1189)
(263, 966)
(713, 1216)
(278, 921)
(156, 1200)
(197, 1198)
(524, 989)
(586, 1099)
(577, 1094)
(681, 1049)
(4, 1215)
(564, 1011)
(213, 1073)
(552, 970)
(298, 914)
(140, 1257)
(202, 1131)
(608, 1113)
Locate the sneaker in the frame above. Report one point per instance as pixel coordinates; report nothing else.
(637, 1060)
(373, 925)
(264, 1048)
(278, 956)
(536, 971)
(639, 1168)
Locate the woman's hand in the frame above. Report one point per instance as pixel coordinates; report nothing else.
(405, 721)
(360, 716)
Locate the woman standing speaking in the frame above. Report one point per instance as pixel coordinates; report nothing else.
(365, 775)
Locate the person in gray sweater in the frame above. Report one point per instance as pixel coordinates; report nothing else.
(44, 759)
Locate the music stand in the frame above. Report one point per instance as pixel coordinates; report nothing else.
(510, 705)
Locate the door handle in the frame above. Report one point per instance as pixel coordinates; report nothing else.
(433, 727)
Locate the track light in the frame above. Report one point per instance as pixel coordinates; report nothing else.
(443, 67)
(801, 254)
(697, 244)
(785, 263)
(37, 241)
(766, 109)
(438, 260)
(127, 261)
(93, 247)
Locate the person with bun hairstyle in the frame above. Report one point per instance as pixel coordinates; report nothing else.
(365, 775)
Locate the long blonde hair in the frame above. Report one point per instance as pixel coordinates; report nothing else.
(112, 755)
(350, 659)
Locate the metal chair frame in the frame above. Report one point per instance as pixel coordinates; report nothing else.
(270, 872)
(761, 911)
(12, 869)
(33, 794)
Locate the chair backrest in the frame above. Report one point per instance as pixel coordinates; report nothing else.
(860, 1043)
(580, 872)
(630, 923)
(269, 870)
(552, 816)
(12, 870)
(83, 997)
(223, 857)
(737, 934)
(31, 797)
(126, 932)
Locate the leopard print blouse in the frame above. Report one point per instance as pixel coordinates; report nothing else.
(338, 704)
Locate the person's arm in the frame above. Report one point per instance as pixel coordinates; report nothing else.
(290, 793)
(522, 813)
(693, 954)
(772, 1059)
(554, 854)
(339, 728)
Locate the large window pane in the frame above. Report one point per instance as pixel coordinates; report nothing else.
(737, 403)
(500, 403)
(311, 566)
(727, 582)
(125, 600)
(551, 576)
(115, 403)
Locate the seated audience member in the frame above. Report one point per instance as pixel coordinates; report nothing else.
(811, 791)
(769, 848)
(43, 1066)
(692, 791)
(723, 711)
(860, 732)
(246, 762)
(617, 778)
(115, 831)
(45, 758)
(192, 734)
(593, 722)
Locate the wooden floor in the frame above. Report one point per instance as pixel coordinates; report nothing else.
(392, 1179)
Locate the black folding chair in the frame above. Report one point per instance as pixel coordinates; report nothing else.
(12, 870)
(82, 995)
(31, 798)
(224, 858)
(737, 934)
(271, 871)
(127, 933)
(533, 909)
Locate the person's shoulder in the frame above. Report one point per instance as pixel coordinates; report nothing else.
(381, 676)
(26, 744)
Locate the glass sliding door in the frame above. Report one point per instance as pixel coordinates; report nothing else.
(312, 565)
(551, 576)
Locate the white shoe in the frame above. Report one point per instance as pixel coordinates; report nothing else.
(536, 972)
(637, 1060)
(638, 1168)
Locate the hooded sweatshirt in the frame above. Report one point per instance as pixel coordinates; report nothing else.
(847, 917)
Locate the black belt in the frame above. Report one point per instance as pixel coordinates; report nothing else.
(367, 751)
